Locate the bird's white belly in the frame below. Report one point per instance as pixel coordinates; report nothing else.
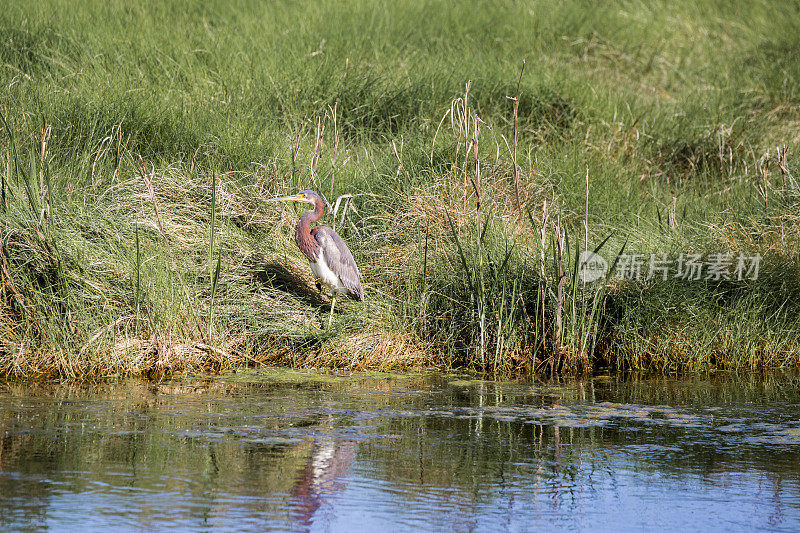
(325, 276)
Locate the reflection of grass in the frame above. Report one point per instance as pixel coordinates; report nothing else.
(220, 443)
(138, 435)
(670, 112)
(325, 378)
(284, 375)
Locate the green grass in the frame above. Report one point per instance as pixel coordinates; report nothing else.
(669, 107)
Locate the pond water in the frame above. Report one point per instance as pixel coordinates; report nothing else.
(283, 450)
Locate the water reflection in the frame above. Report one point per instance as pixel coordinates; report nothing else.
(305, 452)
(320, 480)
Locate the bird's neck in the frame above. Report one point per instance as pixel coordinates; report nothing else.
(302, 233)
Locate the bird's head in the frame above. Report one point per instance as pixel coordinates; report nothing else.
(309, 197)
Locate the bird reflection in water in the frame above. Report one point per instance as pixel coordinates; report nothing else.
(328, 463)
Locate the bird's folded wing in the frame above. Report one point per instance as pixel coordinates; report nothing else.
(340, 260)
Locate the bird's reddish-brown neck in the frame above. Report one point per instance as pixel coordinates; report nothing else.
(302, 233)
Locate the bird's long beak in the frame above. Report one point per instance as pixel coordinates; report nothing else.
(292, 198)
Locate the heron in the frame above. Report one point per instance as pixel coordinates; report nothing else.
(331, 261)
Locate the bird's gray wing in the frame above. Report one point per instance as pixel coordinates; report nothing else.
(339, 259)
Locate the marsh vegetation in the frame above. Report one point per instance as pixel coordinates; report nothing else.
(485, 147)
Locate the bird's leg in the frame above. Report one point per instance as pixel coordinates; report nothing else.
(319, 286)
(330, 318)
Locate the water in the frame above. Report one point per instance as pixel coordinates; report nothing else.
(298, 451)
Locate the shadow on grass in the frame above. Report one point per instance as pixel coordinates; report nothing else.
(277, 276)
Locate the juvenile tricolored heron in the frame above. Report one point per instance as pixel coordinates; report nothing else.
(331, 261)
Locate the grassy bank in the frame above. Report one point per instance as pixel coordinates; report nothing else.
(139, 144)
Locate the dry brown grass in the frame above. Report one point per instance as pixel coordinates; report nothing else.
(157, 357)
(379, 350)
